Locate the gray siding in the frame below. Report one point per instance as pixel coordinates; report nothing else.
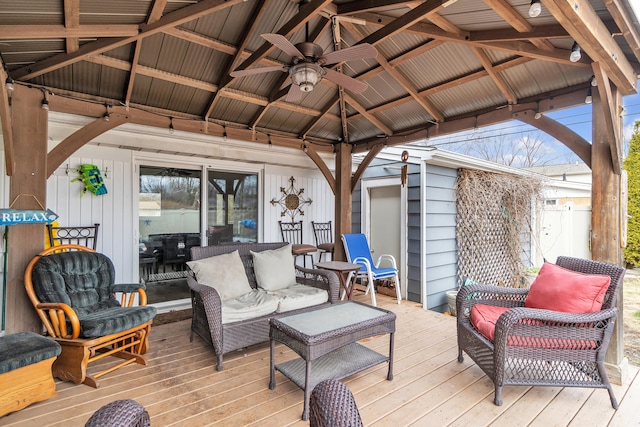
(440, 256)
(439, 222)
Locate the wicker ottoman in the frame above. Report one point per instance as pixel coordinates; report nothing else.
(25, 370)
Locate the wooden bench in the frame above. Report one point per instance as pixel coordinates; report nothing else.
(25, 370)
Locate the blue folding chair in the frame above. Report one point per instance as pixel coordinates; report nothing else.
(357, 250)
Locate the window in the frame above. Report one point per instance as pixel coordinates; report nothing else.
(233, 207)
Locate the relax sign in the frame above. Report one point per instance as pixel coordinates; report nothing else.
(14, 216)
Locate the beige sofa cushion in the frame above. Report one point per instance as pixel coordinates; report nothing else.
(275, 269)
(225, 273)
(299, 296)
(248, 306)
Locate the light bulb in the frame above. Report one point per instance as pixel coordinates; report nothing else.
(575, 53)
(45, 104)
(9, 85)
(535, 8)
(589, 98)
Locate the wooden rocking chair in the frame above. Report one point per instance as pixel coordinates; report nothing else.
(72, 288)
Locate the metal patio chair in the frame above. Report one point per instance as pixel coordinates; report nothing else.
(356, 247)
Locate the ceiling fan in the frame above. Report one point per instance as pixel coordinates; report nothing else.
(309, 65)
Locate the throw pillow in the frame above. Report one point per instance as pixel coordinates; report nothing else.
(274, 268)
(225, 273)
(559, 289)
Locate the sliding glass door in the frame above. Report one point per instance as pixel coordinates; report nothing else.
(233, 207)
(170, 216)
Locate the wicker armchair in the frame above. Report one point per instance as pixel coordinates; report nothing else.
(332, 405)
(537, 347)
(120, 413)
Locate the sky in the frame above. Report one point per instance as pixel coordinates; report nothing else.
(551, 151)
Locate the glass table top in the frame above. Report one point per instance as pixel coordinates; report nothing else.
(331, 318)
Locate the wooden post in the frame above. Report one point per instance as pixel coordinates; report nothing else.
(343, 205)
(28, 189)
(605, 222)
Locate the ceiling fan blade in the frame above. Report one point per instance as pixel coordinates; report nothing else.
(294, 94)
(345, 81)
(282, 43)
(359, 51)
(260, 70)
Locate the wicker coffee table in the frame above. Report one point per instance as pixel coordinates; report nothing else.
(326, 339)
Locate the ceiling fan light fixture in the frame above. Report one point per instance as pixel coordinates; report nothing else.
(306, 75)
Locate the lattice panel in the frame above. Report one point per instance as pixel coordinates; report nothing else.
(494, 217)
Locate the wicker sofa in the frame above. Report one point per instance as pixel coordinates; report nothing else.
(207, 317)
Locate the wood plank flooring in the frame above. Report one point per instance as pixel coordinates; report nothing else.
(181, 387)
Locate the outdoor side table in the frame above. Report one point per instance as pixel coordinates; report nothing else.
(326, 339)
(342, 269)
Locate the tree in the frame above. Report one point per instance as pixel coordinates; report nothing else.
(520, 150)
(632, 166)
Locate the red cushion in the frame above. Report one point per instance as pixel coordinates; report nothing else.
(559, 289)
(484, 318)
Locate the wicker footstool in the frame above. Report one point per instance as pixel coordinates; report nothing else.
(25, 370)
(326, 339)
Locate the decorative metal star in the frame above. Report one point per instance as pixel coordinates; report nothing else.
(291, 200)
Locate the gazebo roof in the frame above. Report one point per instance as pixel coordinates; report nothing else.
(441, 66)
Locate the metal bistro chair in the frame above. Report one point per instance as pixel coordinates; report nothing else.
(356, 248)
(324, 238)
(292, 233)
(80, 235)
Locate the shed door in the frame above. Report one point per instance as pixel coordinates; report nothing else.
(385, 227)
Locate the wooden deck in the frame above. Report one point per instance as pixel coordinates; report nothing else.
(180, 387)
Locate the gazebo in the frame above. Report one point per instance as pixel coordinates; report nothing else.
(271, 72)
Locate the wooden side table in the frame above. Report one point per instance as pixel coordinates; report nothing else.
(343, 269)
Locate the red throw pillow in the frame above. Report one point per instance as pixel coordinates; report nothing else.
(559, 289)
(484, 318)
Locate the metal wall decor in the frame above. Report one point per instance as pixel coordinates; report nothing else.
(291, 200)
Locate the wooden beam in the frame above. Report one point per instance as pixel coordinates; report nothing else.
(173, 19)
(553, 31)
(513, 18)
(612, 122)
(306, 13)
(410, 88)
(497, 79)
(27, 190)
(373, 152)
(519, 48)
(258, 12)
(79, 138)
(326, 172)
(569, 138)
(557, 100)
(16, 32)
(370, 117)
(625, 23)
(343, 202)
(7, 125)
(414, 15)
(588, 30)
(323, 112)
(71, 21)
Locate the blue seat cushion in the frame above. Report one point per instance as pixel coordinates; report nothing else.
(98, 323)
(24, 349)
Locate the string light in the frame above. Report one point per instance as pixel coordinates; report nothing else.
(171, 128)
(224, 133)
(106, 116)
(10, 85)
(589, 98)
(535, 8)
(45, 104)
(576, 54)
(270, 143)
